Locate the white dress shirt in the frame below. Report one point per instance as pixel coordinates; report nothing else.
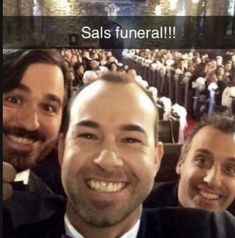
(23, 176)
(71, 231)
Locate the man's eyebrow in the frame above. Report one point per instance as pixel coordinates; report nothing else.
(88, 123)
(205, 151)
(128, 127)
(49, 97)
(23, 87)
(53, 97)
(231, 159)
(132, 127)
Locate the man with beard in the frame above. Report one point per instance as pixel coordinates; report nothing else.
(206, 168)
(34, 94)
(109, 155)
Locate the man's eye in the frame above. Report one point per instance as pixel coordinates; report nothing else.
(131, 140)
(202, 161)
(230, 170)
(88, 136)
(13, 100)
(48, 108)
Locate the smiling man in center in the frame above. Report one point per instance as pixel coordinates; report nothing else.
(112, 152)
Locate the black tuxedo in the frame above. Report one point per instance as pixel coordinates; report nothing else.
(29, 214)
(43, 217)
(35, 184)
(165, 195)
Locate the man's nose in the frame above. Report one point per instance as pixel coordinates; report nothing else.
(28, 119)
(212, 176)
(108, 160)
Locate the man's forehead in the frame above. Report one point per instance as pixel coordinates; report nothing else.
(213, 129)
(211, 137)
(43, 75)
(103, 96)
(116, 94)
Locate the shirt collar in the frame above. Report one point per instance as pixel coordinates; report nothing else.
(23, 176)
(70, 230)
(73, 233)
(132, 233)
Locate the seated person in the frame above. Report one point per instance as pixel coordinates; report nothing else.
(228, 95)
(109, 155)
(206, 168)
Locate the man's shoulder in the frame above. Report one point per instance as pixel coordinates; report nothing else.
(31, 215)
(163, 194)
(186, 223)
(36, 184)
(165, 185)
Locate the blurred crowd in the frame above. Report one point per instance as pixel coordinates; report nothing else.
(208, 79)
(186, 83)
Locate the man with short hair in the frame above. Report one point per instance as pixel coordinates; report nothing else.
(109, 155)
(34, 97)
(206, 168)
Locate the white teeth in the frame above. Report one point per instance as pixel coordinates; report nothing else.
(103, 186)
(110, 187)
(21, 140)
(210, 196)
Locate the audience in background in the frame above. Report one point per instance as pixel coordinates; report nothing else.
(203, 75)
(193, 69)
(191, 79)
(228, 96)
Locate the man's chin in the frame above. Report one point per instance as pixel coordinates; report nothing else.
(22, 160)
(20, 164)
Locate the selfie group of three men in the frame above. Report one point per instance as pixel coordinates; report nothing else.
(109, 155)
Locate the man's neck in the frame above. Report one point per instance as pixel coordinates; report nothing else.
(88, 230)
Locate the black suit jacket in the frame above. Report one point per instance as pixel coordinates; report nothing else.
(29, 214)
(43, 217)
(164, 194)
(35, 184)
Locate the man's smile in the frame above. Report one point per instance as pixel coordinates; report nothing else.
(105, 186)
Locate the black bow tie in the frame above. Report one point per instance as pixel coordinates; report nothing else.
(19, 186)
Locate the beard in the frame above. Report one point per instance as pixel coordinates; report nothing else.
(104, 213)
(20, 159)
(102, 218)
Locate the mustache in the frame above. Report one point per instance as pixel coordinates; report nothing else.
(21, 132)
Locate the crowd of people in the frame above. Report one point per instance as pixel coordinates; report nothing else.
(185, 84)
(106, 139)
(208, 79)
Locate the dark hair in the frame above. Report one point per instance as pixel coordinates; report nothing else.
(219, 121)
(118, 78)
(200, 70)
(15, 63)
(109, 66)
(77, 65)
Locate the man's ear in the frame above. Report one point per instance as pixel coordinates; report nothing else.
(159, 151)
(60, 148)
(180, 164)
